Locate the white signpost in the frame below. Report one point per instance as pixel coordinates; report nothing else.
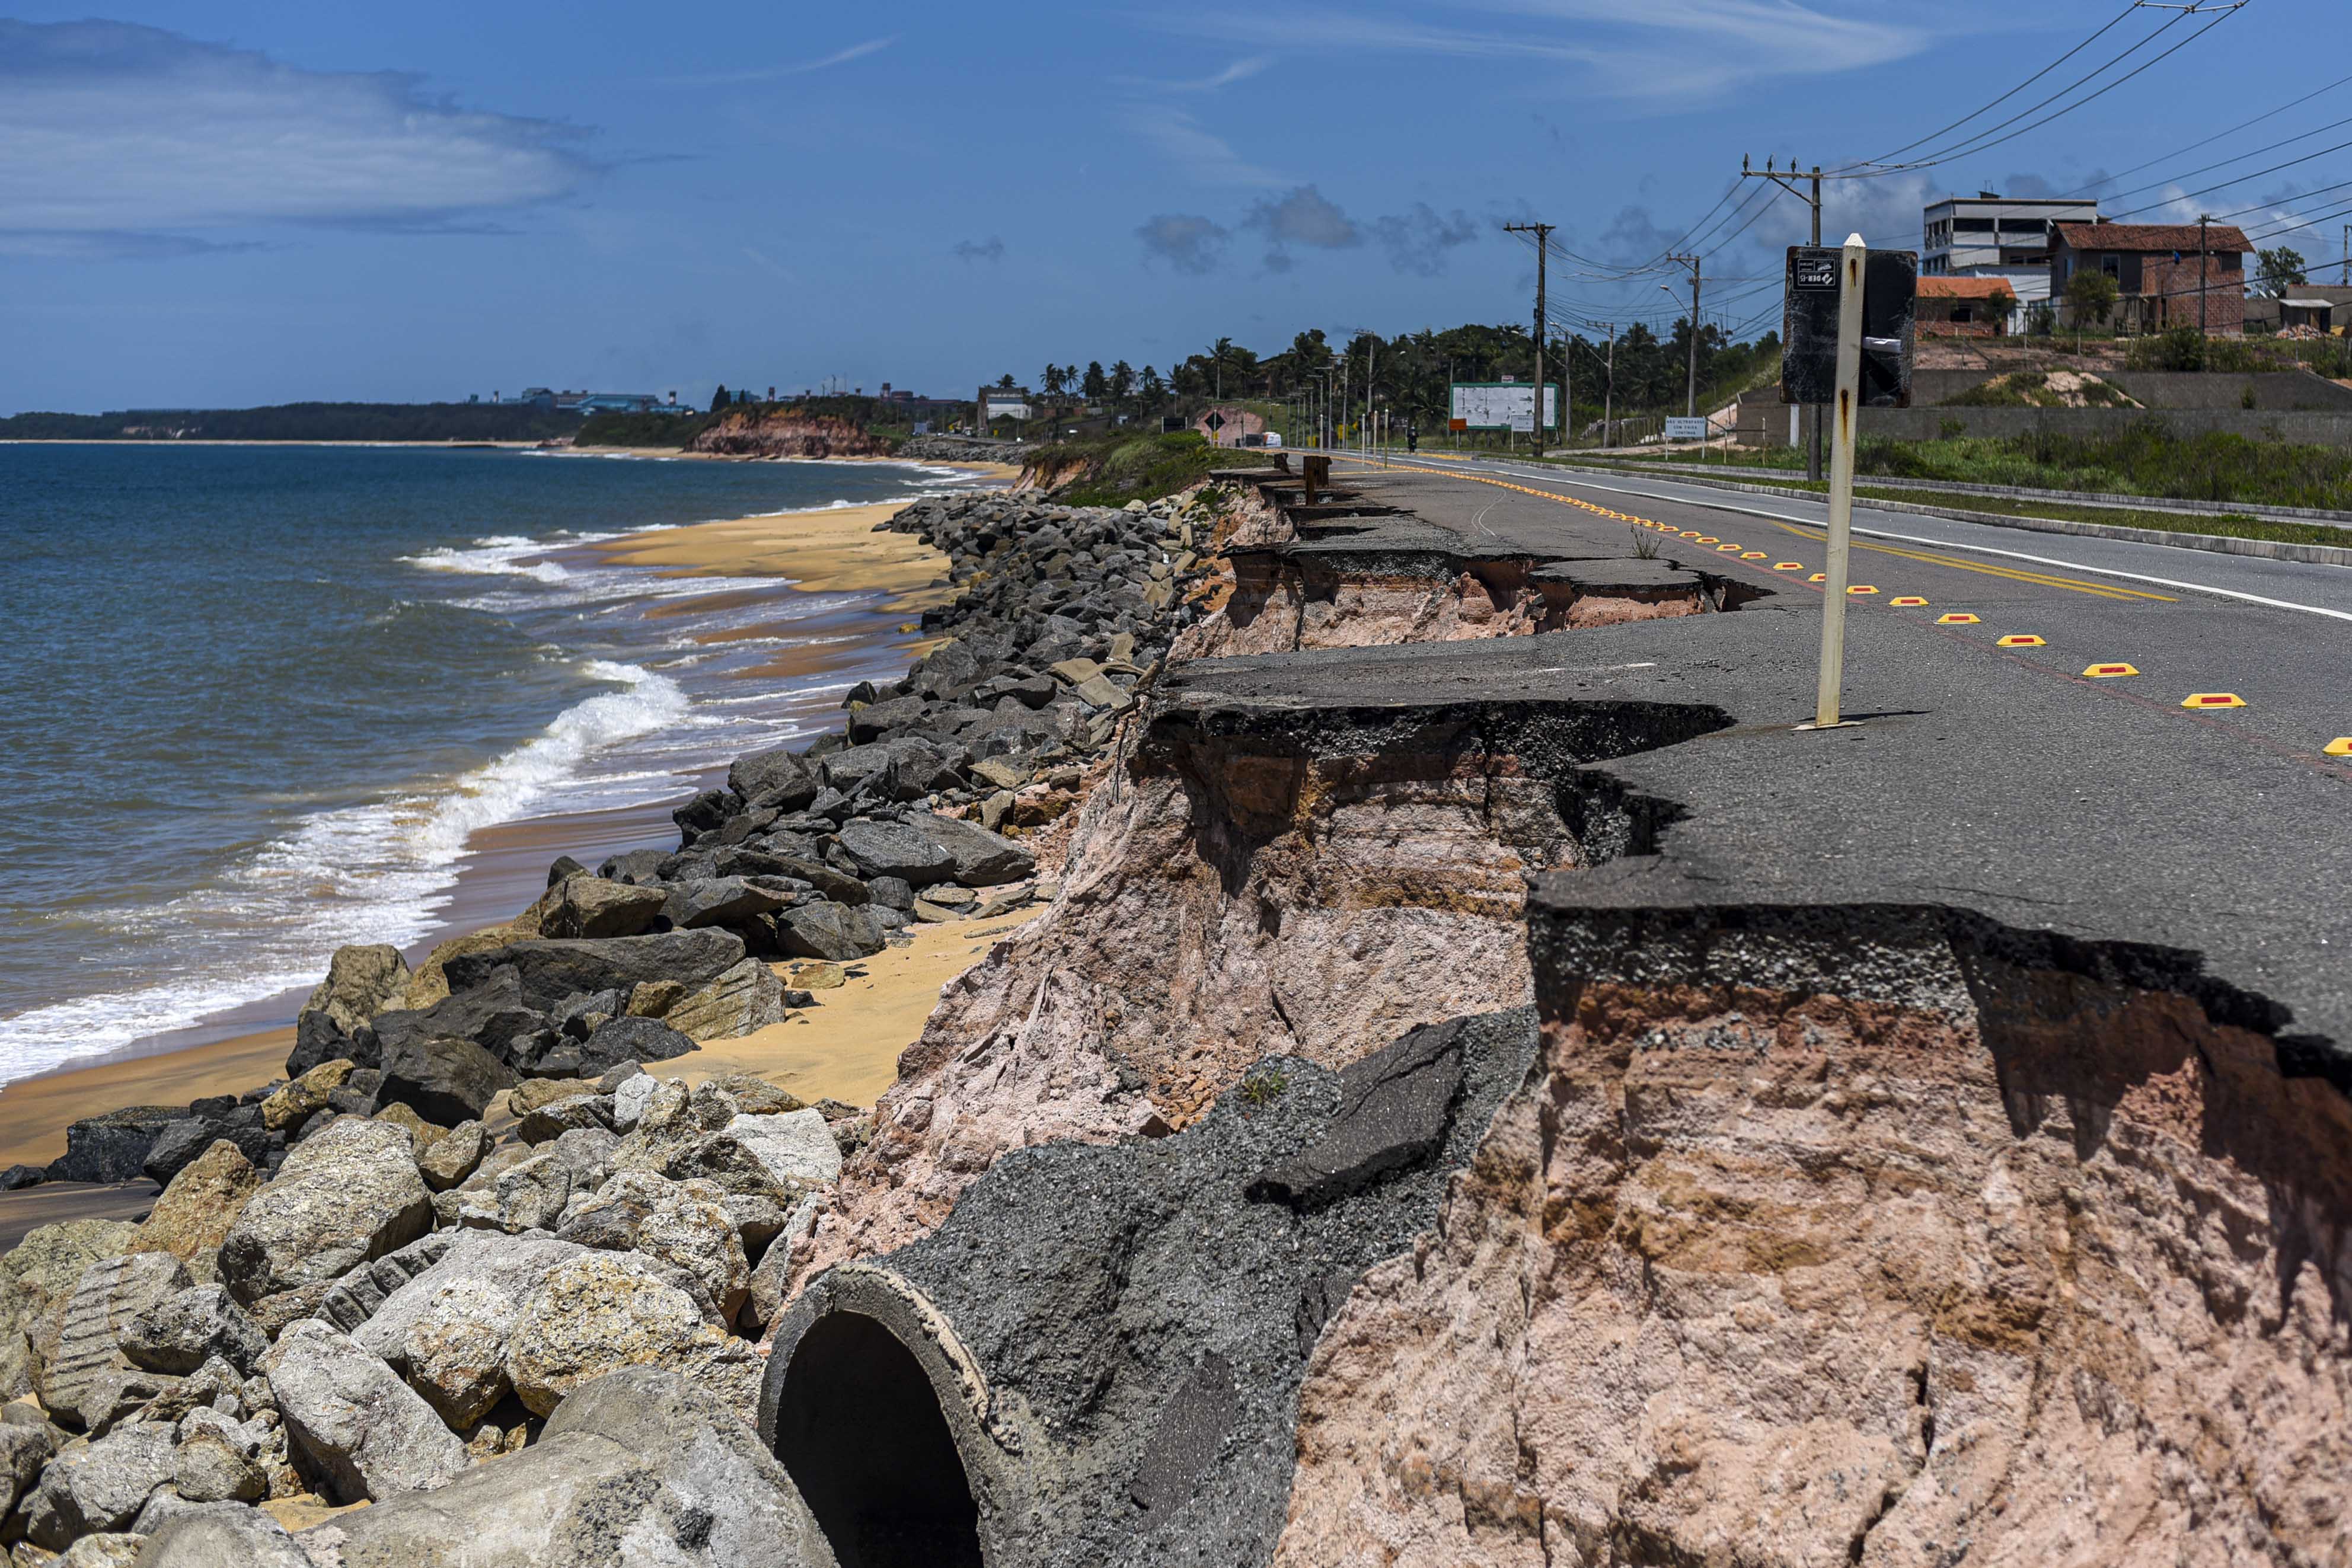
(1503, 405)
(1829, 685)
(1682, 428)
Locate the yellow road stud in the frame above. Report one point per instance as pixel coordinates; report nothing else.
(1958, 617)
(2213, 699)
(2021, 640)
(1906, 602)
(2339, 746)
(2107, 672)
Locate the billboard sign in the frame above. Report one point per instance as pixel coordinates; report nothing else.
(1679, 428)
(1004, 408)
(1503, 405)
(1890, 290)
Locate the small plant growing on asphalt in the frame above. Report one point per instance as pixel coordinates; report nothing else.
(1261, 1090)
(1645, 546)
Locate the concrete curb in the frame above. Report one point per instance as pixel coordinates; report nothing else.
(2219, 544)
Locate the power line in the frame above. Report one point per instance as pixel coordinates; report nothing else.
(1893, 152)
(2219, 135)
(2239, 158)
(1981, 145)
(2238, 180)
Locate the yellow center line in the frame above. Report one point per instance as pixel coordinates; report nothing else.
(1815, 534)
(2099, 590)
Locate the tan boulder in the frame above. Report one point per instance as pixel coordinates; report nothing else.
(430, 983)
(192, 1218)
(297, 1101)
(421, 1133)
(533, 1093)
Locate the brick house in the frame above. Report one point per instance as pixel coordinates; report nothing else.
(2155, 266)
(1963, 306)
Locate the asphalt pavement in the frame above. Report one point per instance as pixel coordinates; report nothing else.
(2006, 781)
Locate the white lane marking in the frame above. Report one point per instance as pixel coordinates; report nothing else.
(1948, 544)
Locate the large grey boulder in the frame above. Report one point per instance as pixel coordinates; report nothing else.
(181, 1332)
(46, 1265)
(100, 1487)
(685, 1226)
(360, 1294)
(729, 901)
(363, 1431)
(638, 1468)
(593, 907)
(783, 1157)
(344, 1198)
(454, 1156)
(601, 1312)
(744, 997)
(893, 848)
(224, 1538)
(113, 1146)
(445, 1080)
(549, 972)
(24, 1449)
(492, 1014)
(212, 1467)
(445, 1331)
(777, 779)
(361, 982)
(181, 1143)
(980, 859)
(833, 932)
(77, 1348)
(527, 1195)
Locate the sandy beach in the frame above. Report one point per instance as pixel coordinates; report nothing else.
(847, 1047)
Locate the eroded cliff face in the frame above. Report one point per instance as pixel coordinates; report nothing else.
(1297, 886)
(1808, 1246)
(1280, 603)
(789, 433)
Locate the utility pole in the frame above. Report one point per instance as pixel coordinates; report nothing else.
(1690, 401)
(1609, 394)
(2203, 219)
(1813, 199)
(1543, 248)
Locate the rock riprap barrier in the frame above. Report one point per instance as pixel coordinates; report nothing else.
(473, 1261)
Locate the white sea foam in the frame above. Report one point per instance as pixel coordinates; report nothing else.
(377, 871)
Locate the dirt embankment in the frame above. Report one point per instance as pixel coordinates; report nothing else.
(788, 432)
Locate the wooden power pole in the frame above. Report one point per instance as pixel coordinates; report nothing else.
(1543, 247)
(1784, 178)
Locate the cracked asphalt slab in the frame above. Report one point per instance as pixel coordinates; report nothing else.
(1994, 781)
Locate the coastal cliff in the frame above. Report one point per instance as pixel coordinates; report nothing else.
(769, 432)
(1381, 1151)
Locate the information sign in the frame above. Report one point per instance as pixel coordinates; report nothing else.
(1890, 290)
(1503, 405)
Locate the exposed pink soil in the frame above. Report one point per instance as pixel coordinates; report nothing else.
(1754, 1279)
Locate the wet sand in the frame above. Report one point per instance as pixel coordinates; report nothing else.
(848, 1046)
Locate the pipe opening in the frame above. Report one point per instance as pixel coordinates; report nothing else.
(861, 1431)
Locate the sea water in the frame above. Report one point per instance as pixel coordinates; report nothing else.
(254, 700)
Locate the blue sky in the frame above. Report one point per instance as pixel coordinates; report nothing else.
(223, 204)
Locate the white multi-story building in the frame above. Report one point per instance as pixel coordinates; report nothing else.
(1990, 235)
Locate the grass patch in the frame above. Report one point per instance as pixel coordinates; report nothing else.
(2144, 459)
(1261, 1090)
(2232, 525)
(1112, 470)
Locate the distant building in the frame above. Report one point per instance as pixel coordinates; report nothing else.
(1991, 236)
(1003, 402)
(2156, 269)
(592, 402)
(1964, 307)
(2323, 307)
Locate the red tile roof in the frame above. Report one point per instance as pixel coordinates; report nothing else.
(2166, 238)
(1964, 287)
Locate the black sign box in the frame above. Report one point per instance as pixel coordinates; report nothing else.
(1890, 292)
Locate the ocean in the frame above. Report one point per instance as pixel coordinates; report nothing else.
(256, 700)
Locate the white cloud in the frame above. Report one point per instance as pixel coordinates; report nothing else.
(131, 141)
(777, 73)
(1655, 49)
(1207, 157)
(1240, 71)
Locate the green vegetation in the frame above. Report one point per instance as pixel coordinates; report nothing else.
(1262, 1089)
(2035, 389)
(670, 431)
(2091, 297)
(2144, 459)
(1112, 470)
(2187, 348)
(303, 421)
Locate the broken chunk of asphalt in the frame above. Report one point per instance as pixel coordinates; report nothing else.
(1395, 1106)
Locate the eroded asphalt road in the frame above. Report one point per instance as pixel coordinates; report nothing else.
(2002, 780)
